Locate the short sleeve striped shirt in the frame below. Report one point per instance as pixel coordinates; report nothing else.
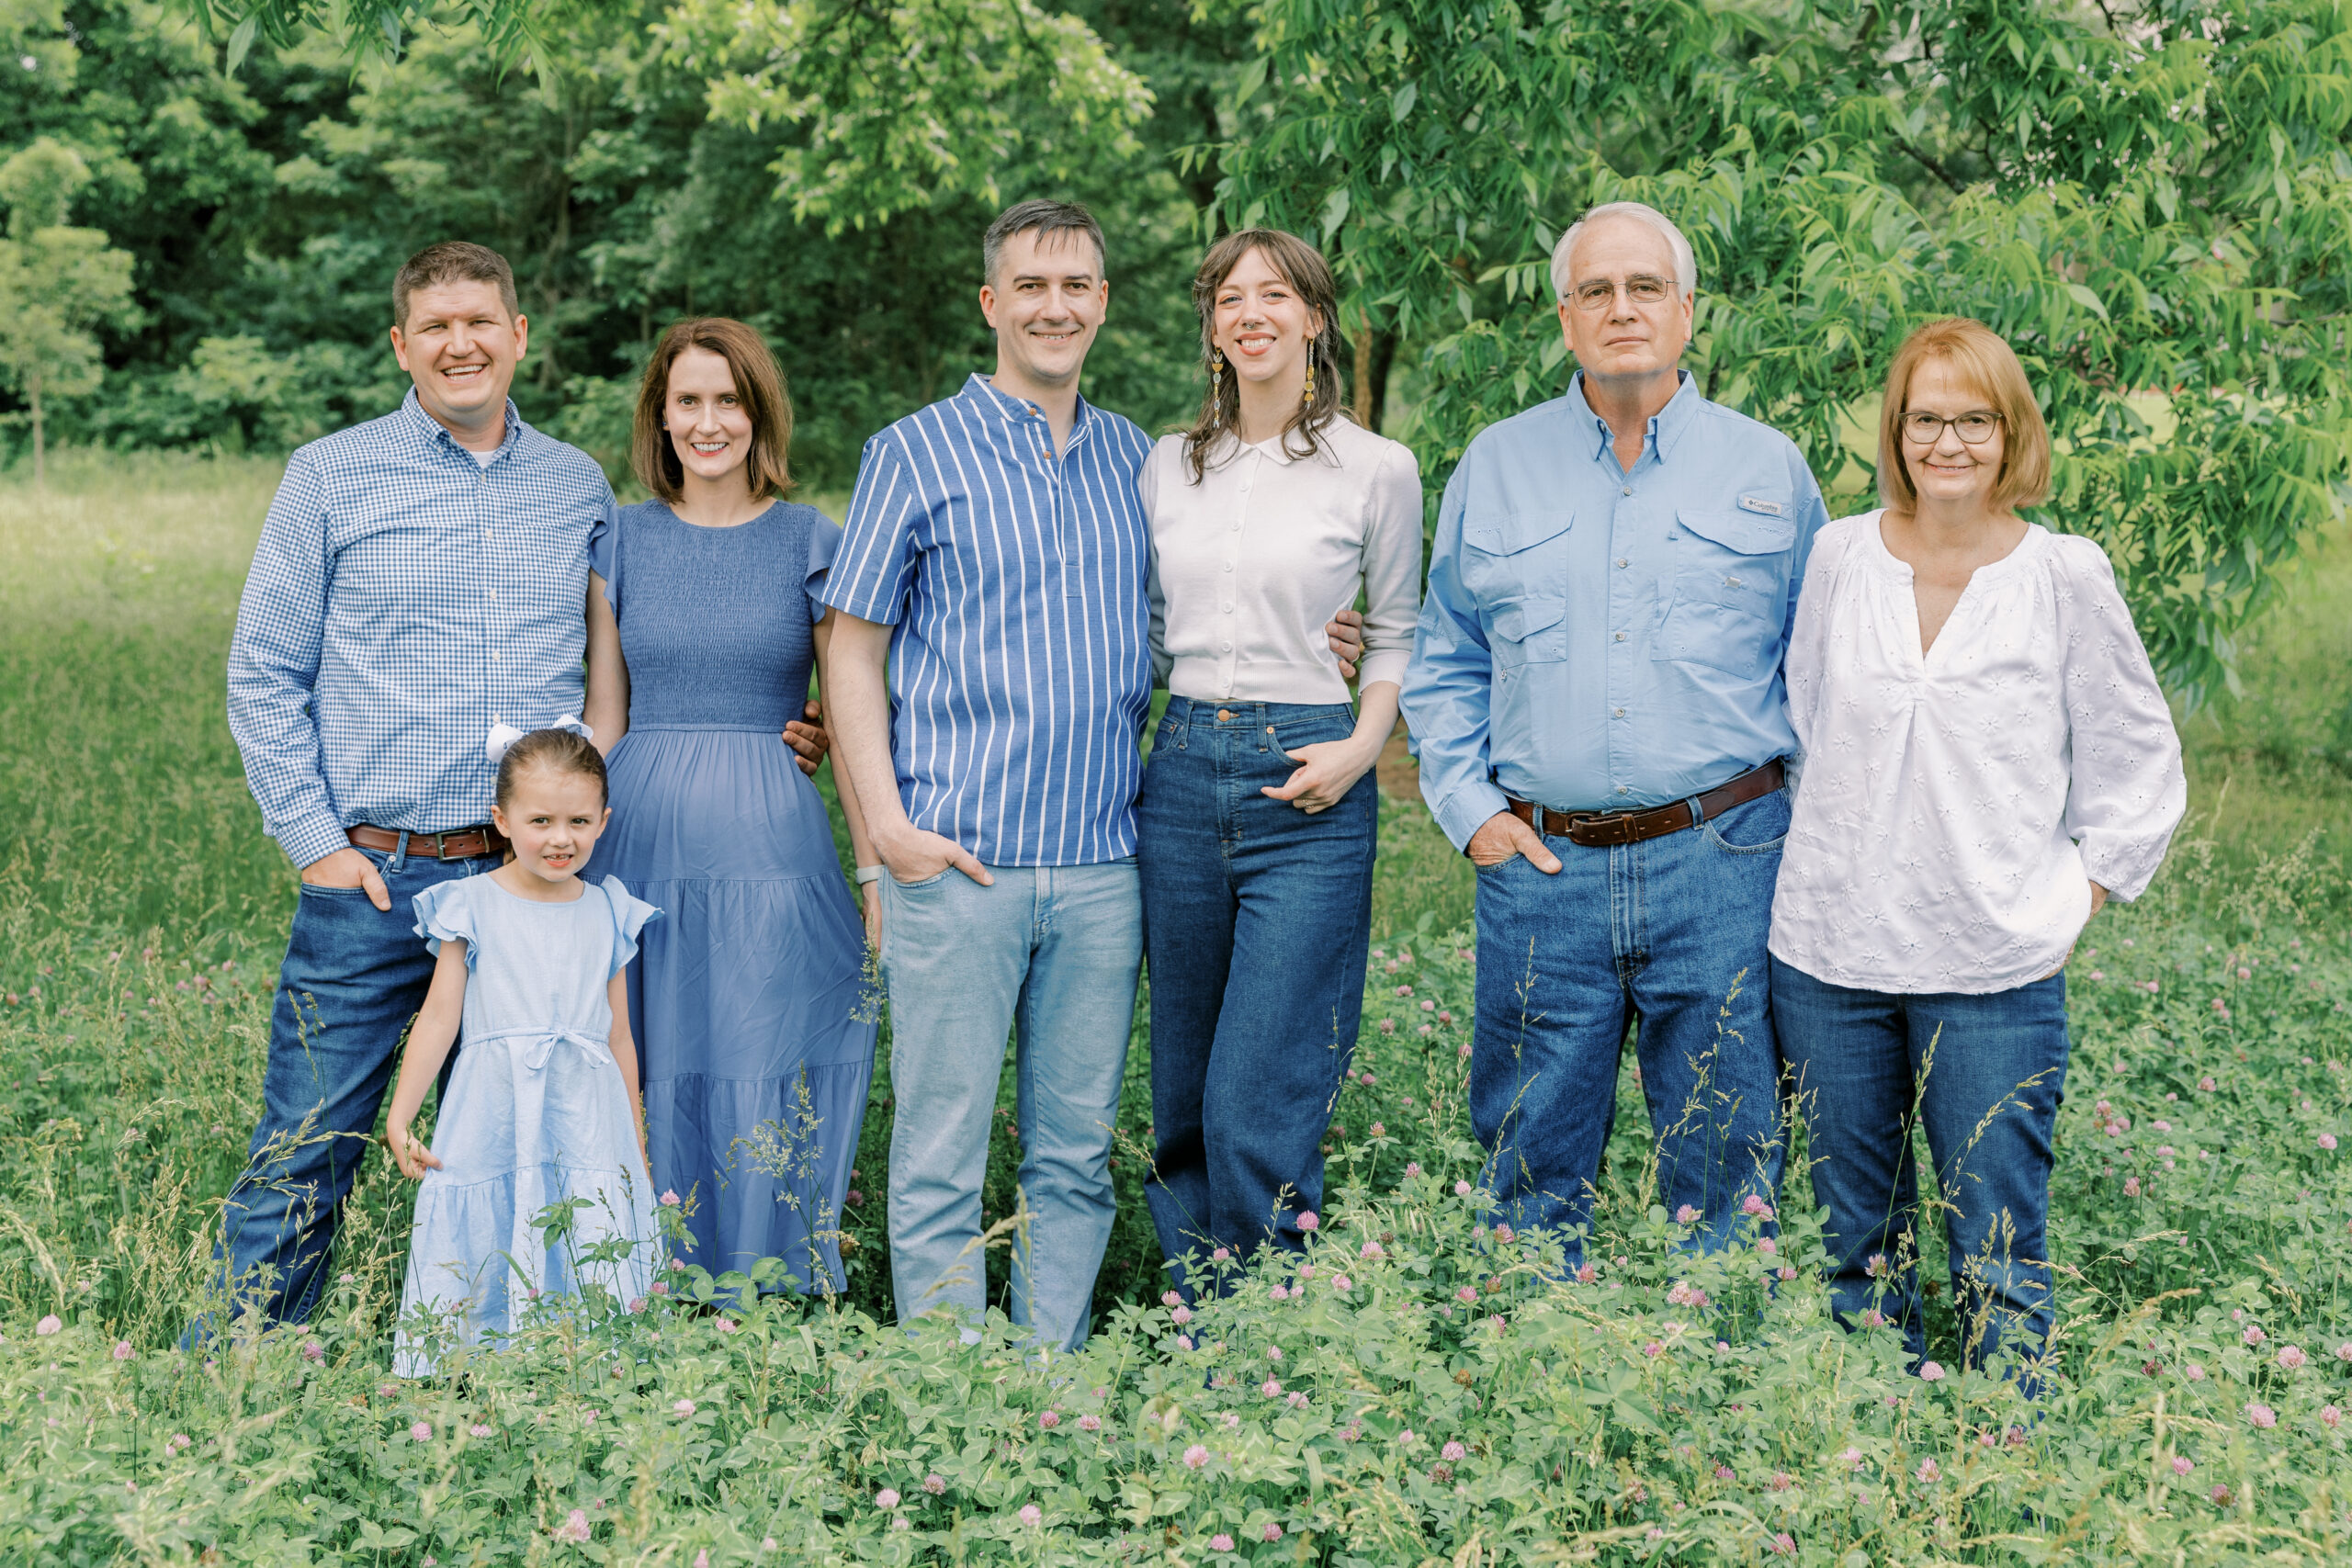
(1021, 661)
(404, 597)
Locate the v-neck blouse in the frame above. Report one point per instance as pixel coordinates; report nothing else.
(1953, 806)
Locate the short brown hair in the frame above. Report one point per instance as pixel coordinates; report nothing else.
(1980, 357)
(452, 261)
(551, 750)
(1047, 219)
(1302, 266)
(758, 384)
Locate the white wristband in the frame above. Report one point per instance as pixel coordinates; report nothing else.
(867, 873)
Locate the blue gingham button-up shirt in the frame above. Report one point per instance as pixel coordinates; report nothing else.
(403, 598)
(1596, 639)
(1022, 659)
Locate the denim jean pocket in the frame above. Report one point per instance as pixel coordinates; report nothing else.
(918, 885)
(1753, 827)
(1302, 732)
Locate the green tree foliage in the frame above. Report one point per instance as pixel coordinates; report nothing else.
(2149, 197)
(623, 197)
(55, 283)
(2152, 202)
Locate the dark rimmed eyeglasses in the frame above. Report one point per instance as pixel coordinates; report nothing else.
(1975, 427)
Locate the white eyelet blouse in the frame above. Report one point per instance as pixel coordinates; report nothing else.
(1248, 565)
(1952, 809)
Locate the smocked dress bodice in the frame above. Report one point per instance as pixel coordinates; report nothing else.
(716, 625)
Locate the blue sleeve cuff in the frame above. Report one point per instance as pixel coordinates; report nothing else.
(311, 841)
(1467, 810)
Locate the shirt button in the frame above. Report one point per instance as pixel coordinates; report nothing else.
(1623, 563)
(1621, 789)
(1629, 489)
(1228, 566)
(1621, 636)
(1224, 648)
(1620, 712)
(1228, 609)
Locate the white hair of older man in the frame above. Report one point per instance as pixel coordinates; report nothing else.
(1686, 264)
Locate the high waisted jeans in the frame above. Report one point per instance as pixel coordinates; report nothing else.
(1256, 915)
(1670, 930)
(1983, 1076)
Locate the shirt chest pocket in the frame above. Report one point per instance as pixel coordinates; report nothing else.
(1729, 590)
(1514, 565)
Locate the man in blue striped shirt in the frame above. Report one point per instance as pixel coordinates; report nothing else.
(996, 547)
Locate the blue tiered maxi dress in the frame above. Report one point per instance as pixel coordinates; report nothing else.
(536, 1113)
(749, 1004)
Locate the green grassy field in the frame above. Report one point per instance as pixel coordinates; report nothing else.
(142, 916)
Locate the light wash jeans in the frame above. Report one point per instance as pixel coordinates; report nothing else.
(1050, 953)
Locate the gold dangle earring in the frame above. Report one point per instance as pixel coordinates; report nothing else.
(1216, 373)
(1306, 397)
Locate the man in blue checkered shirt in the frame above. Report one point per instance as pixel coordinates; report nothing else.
(421, 579)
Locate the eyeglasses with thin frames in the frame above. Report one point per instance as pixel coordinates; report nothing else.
(1975, 427)
(1643, 288)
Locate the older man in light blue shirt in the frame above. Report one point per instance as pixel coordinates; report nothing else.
(1596, 701)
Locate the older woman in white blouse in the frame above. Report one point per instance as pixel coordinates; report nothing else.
(1256, 823)
(1987, 760)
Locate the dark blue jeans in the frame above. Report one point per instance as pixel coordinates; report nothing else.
(354, 977)
(1671, 932)
(1256, 918)
(1984, 1075)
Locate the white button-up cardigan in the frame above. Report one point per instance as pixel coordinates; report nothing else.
(1248, 564)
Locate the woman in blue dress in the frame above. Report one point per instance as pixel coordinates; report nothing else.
(749, 1000)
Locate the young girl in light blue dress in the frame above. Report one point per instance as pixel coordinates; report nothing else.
(542, 1108)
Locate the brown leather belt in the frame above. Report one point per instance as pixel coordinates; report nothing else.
(1601, 830)
(459, 843)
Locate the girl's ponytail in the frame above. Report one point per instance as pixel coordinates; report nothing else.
(560, 749)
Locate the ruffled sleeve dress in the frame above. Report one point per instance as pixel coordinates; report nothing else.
(750, 1006)
(536, 1113)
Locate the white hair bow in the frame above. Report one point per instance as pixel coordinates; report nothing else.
(503, 735)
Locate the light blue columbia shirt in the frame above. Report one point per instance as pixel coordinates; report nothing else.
(1022, 659)
(1596, 639)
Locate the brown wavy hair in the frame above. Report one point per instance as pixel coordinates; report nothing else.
(1983, 359)
(1302, 266)
(757, 383)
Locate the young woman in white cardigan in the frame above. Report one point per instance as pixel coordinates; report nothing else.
(1987, 760)
(1256, 823)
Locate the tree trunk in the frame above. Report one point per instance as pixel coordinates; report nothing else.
(1376, 351)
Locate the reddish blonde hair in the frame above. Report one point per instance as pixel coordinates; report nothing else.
(759, 386)
(1979, 356)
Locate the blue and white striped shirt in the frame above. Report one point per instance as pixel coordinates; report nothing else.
(404, 597)
(1022, 657)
